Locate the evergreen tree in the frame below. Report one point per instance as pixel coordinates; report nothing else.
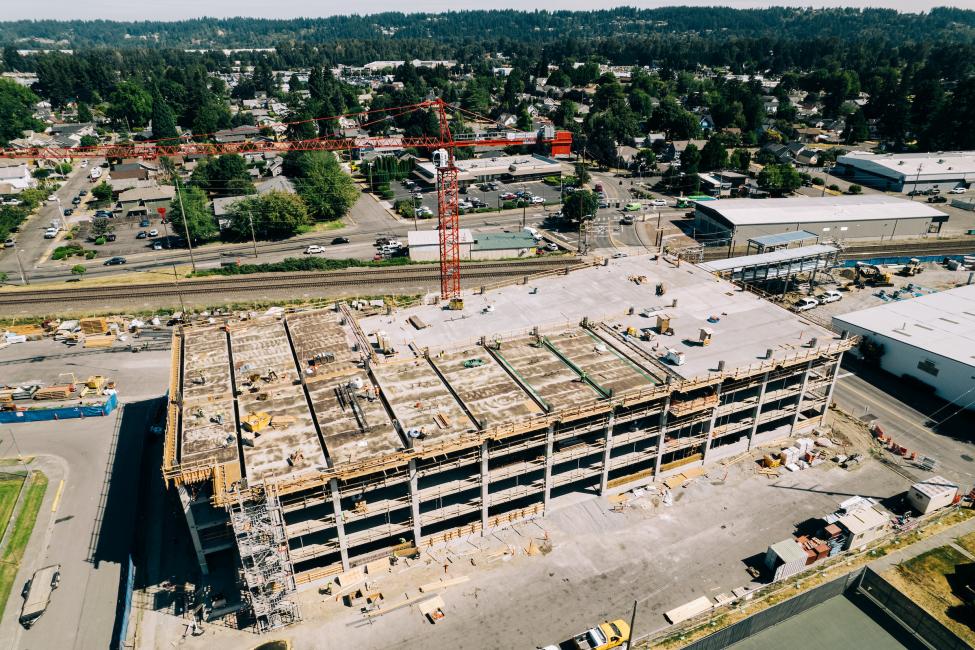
(163, 120)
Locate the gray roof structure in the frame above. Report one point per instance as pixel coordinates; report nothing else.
(778, 239)
(873, 207)
(766, 259)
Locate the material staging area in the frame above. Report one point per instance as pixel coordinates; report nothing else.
(333, 438)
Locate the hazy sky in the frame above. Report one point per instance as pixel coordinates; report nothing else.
(176, 9)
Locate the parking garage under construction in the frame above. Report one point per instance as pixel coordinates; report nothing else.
(316, 441)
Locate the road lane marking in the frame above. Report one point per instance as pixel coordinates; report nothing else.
(57, 497)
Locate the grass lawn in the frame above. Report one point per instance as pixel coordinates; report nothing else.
(967, 542)
(924, 579)
(13, 552)
(9, 491)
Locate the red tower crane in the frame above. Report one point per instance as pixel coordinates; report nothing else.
(442, 147)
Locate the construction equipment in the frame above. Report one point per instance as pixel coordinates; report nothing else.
(912, 268)
(872, 274)
(442, 145)
(255, 422)
(473, 363)
(456, 304)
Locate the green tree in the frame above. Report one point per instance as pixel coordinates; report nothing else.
(16, 111)
(274, 215)
(739, 160)
(328, 191)
(84, 113)
(163, 120)
(88, 141)
(130, 105)
(714, 155)
(779, 179)
(199, 220)
(79, 270)
(102, 192)
(225, 175)
(856, 128)
(582, 173)
(580, 206)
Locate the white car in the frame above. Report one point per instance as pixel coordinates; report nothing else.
(537, 200)
(153, 233)
(314, 249)
(806, 304)
(465, 205)
(958, 190)
(50, 233)
(829, 296)
(84, 163)
(52, 198)
(617, 256)
(552, 246)
(658, 203)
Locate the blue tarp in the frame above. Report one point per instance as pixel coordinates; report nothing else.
(903, 260)
(61, 413)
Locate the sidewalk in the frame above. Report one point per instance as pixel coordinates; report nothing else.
(939, 539)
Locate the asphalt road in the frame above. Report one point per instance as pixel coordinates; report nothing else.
(91, 532)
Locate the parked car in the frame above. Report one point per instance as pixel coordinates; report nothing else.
(314, 249)
(142, 234)
(50, 233)
(157, 245)
(508, 196)
(829, 296)
(52, 198)
(537, 200)
(76, 200)
(552, 246)
(68, 212)
(465, 205)
(618, 255)
(958, 190)
(144, 223)
(153, 233)
(805, 304)
(83, 193)
(937, 199)
(114, 261)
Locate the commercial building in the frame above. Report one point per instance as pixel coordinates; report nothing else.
(505, 168)
(836, 218)
(908, 171)
(930, 339)
(317, 441)
(424, 245)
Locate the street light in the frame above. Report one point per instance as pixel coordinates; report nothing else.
(826, 169)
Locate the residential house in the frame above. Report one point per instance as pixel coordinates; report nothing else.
(626, 156)
(771, 104)
(120, 185)
(236, 134)
(69, 135)
(140, 170)
(15, 178)
(144, 200)
(706, 122)
(780, 152)
(673, 150)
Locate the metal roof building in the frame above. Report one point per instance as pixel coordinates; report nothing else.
(830, 217)
(781, 263)
(930, 338)
(906, 172)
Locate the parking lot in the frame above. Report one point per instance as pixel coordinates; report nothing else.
(491, 198)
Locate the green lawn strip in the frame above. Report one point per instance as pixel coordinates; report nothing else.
(17, 543)
(967, 542)
(9, 491)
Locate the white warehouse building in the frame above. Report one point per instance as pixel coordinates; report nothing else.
(930, 339)
(907, 172)
(837, 218)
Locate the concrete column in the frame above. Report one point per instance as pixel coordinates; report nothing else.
(660, 439)
(832, 385)
(549, 448)
(758, 410)
(714, 418)
(415, 501)
(184, 499)
(802, 393)
(606, 452)
(333, 487)
(485, 483)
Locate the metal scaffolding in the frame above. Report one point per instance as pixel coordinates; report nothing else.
(263, 545)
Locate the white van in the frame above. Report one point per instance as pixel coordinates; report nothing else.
(533, 232)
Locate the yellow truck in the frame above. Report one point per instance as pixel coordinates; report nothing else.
(605, 636)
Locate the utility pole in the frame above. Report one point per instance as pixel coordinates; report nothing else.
(179, 292)
(20, 265)
(186, 227)
(250, 214)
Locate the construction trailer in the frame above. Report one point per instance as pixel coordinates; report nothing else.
(931, 494)
(295, 442)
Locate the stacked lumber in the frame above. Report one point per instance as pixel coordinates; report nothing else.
(93, 326)
(99, 340)
(54, 392)
(32, 332)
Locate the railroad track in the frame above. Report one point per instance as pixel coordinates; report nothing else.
(284, 282)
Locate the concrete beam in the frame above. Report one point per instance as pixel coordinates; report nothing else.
(485, 484)
(714, 418)
(549, 448)
(185, 500)
(604, 479)
(832, 385)
(414, 500)
(802, 393)
(333, 487)
(758, 410)
(660, 438)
